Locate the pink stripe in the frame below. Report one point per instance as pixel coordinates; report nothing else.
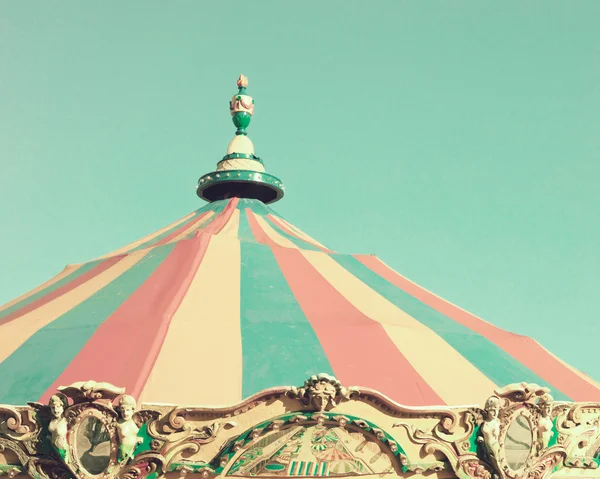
(215, 226)
(124, 348)
(343, 331)
(181, 229)
(78, 281)
(285, 228)
(522, 348)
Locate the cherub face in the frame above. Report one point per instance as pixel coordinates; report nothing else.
(546, 410)
(492, 407)
(493, 412)
(126, 411)
(56, 408)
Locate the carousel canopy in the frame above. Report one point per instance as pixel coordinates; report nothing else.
(233, 299)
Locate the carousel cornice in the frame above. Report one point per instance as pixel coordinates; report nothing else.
(94, 430)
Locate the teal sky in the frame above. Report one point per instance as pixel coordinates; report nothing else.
(457, 140)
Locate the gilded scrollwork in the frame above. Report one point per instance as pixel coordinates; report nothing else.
(45, 468)
(511, 415)
(143, 465)
(14, 447)
(94, 431)
(78, 434)
(90, 391)
(521, 392)
(543, 466)
(15, 421)
(474, 469)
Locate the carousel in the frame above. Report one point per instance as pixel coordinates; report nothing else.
(232, 343)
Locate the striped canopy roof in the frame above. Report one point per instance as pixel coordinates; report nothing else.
(232, 299)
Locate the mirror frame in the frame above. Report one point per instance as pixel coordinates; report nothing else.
(108, 419)
(508, 422)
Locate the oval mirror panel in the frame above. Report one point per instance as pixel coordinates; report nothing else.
(92, 445)
(518, 443)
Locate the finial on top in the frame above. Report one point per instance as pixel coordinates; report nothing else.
(242, 81)
(241, 107)
(240, 173)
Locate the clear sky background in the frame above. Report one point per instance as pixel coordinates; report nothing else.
(457, 140)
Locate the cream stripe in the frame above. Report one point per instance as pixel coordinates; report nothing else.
(14, 333)
(192, 228)
(299, 232)
(449, 374)
(65, 272)
(574, 370)
(231, 228)
(206, 328)
(433, 294)
(147, 238)
(274, 235)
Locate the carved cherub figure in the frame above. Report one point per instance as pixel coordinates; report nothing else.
(58, 425)
(545, 424)
(490, 429)
(127, 429)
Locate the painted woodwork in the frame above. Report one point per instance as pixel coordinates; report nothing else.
(320, 429)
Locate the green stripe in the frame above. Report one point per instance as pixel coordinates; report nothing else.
(260, 209)
(30, 370)
(48, 289)
(244, 231)
(499, 366)
(217, 207)
(88, 266)
(279, 346)
(153, 241)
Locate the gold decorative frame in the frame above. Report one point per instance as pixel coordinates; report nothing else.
(175, 441)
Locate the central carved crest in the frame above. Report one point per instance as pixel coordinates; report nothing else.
(322, 392)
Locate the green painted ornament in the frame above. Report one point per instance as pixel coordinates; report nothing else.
(241, 120)
(241, 107)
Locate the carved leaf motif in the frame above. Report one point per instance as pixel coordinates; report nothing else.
(15, 447)
(521, 392)
(42, 468)
(86, 391)
(74, 412)
(477, 469)
(143, 465)
(545, 465)
(14, 419)
(144, 416)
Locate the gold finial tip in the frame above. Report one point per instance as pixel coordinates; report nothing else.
(242, 81)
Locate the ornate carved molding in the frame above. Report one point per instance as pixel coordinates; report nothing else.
(94, 430)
